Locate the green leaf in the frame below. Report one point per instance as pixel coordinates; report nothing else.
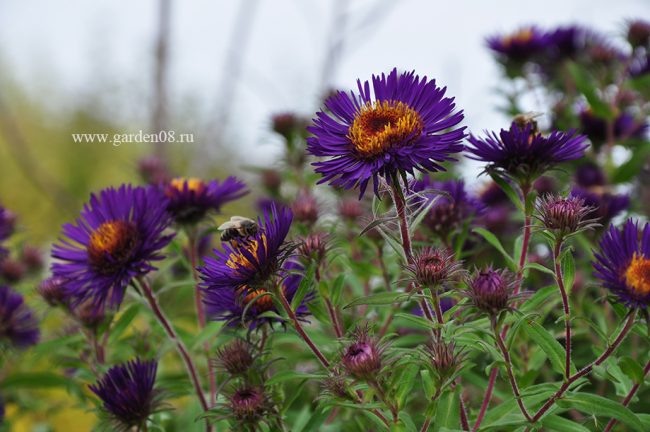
(602, 407)
(35, 380)
(557, 423)
(305, 286)
(631, 168)
(337, 289)
(549, 345)
(448, 412)
(632, 369)
(406, 383)
(418, 321)
(508, 189)
(585, 85)
(540, 268)
(211, 329)
(494, 241)
(428, 384)
(124, 321)
(293, 375)
(385, 298)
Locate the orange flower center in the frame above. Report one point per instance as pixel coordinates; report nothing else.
(522, 36)
(193, 184)
(382, 125)
(263, 303)
(111, 244)
(637, 275)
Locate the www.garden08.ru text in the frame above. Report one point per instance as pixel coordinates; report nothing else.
(118, 139)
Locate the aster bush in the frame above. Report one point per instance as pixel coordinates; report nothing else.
(373, 283)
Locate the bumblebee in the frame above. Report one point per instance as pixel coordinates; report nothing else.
(525, 119)
(238, 228)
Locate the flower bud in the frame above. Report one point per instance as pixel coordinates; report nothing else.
(32, 258)
(314, 247)
(272, 180)
(350, 209)
(153, 170)
(638, 33)
(7, 222)
(235, 358)
(248, 404)
(336, 386)
(490, 290)
(363, 357)
(12, 270)
(305, 208)
(433, 267)
(443, 359)
(90, 315)
(563, 215)
(53, 290)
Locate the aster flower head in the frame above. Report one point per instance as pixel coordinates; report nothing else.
(521, 46)
(623, 263)
(190, 199)
(119, 233)
(7, 223)
(450, 204)
(433, 267)
(364, 357)
(241, 277)
(491, 291)
(235, 358)
(524, 155)
(567, 42)
(625, 126)
(127, 393)
(564, 216)
(590, 174)
(18, 325)
(396, 128)
(604, 204)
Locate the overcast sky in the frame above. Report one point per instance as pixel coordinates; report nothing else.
(67, 48)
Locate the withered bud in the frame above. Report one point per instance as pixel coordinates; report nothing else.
(433, 267)
(235, 358)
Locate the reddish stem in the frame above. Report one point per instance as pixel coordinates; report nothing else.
(584, 371)
(334, 318)
(299, 329)
(486, 399)
(200, 314)
(180, 346)
(629, 396)
(565, 304)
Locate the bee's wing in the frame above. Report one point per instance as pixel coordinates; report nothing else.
(224, 226)
(240, 219)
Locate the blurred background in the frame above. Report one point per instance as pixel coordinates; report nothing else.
(220, 70)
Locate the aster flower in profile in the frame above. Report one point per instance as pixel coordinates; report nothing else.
(116, 238)
(592, 187)
(190, 199)
(403, 124)
(18, 325)
(450, 205)
(7, 223)
(626, 126)
(623, 263)
(128, 394)
(523, 154)
(519, 46)
(241, 277)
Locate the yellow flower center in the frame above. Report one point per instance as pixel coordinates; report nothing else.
(111, 244)
(382, 125)
(521, 36)
(238, 259)
(637, 275)
(193, 184)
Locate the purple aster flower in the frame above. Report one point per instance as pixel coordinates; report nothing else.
(623, 263)
(238, 278)
(119, 233)
(590, 174)
(452, 205)
(640, 66)
(396, 128)
(190, 199)
(18, 325)
(604, 204)
(625, 126)
(520, 46)
(7, 223)
(523, 154)
(128, 394)
(567, 42)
